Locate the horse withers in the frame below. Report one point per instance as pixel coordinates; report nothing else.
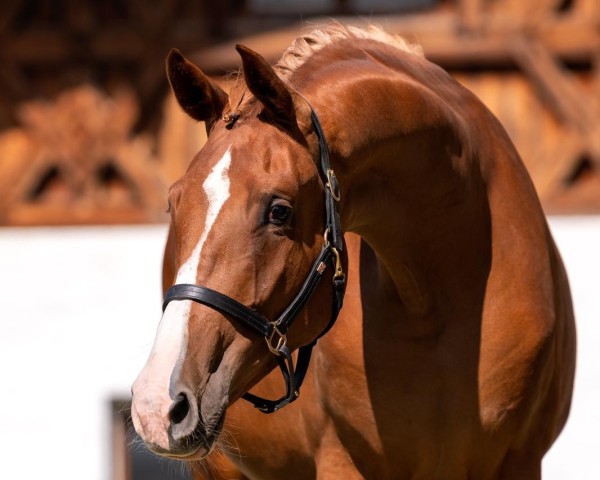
(355, 164)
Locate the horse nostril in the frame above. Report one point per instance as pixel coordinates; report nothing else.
(183, 415)
(179, 409)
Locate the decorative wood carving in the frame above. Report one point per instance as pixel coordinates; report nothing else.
(74, 160)
(90, 157)
(47, 46)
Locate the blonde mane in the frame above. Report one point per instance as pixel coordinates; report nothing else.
(306, 45)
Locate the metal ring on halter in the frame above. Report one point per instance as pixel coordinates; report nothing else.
(281, 341)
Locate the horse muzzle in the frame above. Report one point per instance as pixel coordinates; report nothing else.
(174, 428)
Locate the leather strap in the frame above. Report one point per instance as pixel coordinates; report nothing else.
(293, 378)
(332, 189)
(286, 319)
(223, 303)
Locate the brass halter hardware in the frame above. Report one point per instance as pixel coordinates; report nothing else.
(332, 185)
(281, 341)
(339, 270)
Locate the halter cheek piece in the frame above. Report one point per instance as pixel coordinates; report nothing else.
(275, 332)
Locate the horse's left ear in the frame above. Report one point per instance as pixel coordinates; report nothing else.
(268, 88)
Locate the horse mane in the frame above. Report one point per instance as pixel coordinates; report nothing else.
(306, 45)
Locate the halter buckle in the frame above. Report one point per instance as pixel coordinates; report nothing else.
(332, 185)
(339, 271)
(281, 340)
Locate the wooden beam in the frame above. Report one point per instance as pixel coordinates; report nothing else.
(573, 38)
(471, 14)
(568, 100)
(44, 47)
(551, 172)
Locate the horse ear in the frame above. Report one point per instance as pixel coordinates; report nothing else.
(199, 97)
(268, 88)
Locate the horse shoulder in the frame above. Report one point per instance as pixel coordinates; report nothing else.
(526, 327)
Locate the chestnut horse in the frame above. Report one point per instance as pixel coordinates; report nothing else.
(453, 355)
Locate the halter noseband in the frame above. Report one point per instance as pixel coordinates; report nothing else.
(275, 332)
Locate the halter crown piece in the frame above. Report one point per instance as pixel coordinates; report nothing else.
(275, 332)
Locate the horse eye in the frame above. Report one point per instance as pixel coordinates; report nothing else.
(279, 214)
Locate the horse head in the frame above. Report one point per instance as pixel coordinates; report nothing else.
(247, 221)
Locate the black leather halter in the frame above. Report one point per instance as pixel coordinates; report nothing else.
(275, 331)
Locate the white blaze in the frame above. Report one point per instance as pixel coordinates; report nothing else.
(171, 338)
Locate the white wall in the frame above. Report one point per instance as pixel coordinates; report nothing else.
(79, 308)
(576, 453)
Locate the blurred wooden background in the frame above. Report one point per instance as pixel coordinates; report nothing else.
(90, 135)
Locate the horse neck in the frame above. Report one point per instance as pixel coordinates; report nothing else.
(412, 187)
